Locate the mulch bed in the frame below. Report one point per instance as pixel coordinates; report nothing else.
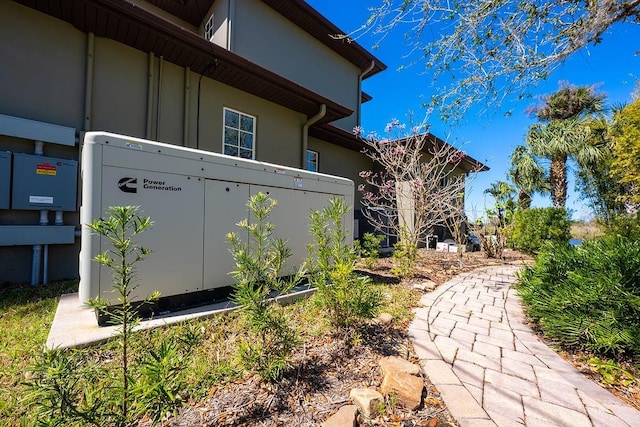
(325, 369)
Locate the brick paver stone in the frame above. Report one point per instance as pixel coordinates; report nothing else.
(474, 343)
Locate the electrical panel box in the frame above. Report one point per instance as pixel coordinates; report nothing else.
(5, 179)
(44, 183)
(194, 198)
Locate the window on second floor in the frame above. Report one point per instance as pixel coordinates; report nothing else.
(239, 134)
(209, 29)
(312, 161)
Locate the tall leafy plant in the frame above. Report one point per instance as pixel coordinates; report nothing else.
(259, 262)
(68, 391)
(346, 297)
(120, 228)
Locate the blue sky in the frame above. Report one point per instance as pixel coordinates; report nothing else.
(614, 65)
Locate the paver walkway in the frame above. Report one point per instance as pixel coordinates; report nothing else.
(492, 370)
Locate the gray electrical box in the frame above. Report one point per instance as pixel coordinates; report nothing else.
(5, 178)
(44, 183)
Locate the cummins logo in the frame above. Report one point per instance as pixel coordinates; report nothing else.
(128, 185)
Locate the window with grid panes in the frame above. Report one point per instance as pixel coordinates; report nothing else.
(312, 161)
(239, 134)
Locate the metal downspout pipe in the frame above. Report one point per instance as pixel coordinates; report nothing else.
(44, 220)
(150, 97)
(187, 100)
(360, 77)
(88, 85)
(305, 133)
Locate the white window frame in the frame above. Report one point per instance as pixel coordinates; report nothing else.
(240, 131)
(209, 30)
(308, 162)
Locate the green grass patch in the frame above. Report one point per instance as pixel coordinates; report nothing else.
(208, 347)
(25, 318)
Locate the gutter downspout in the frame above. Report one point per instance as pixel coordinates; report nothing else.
(88, 89)
(305, 133)
(360, 77)
(150, 97)
(159, 99)
(187, 100)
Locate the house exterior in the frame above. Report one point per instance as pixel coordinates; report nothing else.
(258, 79)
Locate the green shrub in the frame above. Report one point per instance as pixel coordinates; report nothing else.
(346, 297)
(587, 296)
(370, 248)
(68, 391)
(258, 263)
(405, 254)
(532, 228)
(624, 225)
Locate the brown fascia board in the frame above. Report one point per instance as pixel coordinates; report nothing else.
(342, 138)
(468, 163)
(146, 31)
(313, 22)
(365, 97)
(336, 136)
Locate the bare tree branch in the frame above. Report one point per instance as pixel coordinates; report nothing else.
(481, 51)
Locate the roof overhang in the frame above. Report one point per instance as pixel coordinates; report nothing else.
(296, 11)
(337, 136)
(142, 29)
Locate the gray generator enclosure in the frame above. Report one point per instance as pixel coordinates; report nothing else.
(194, 198)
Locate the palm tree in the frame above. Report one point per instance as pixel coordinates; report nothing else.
(527, 175)
(503, 193)
(564, 133)
(558, 141)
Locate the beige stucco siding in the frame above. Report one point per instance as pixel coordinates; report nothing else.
(278, 129)
(335, 160)
(119, 88)
(40, 80)
(264, 36)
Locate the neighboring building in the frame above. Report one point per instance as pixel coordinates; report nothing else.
(259, 79)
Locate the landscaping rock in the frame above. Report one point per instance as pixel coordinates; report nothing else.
(406, 387)
(425, 286)
(384, 319)
(367, 400)
(394, 363)
(345, 417)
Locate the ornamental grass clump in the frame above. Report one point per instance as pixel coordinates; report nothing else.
(587, 297)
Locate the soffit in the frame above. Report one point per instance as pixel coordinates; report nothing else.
(143, 30)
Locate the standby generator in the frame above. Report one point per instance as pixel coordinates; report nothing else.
(194, 198)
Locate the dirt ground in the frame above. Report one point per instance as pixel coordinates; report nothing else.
(326, 369)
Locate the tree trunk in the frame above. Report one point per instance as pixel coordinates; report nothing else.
(524, 200)
(558, 179)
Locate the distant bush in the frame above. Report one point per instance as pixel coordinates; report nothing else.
(532, 228)
(369, 248)
(587, 296)
(624, 225)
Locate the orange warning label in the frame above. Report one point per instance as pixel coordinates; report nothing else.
(46, 169)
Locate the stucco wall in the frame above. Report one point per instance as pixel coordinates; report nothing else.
(44, 80)
(267, 38)
(40, 80)
(335, 160)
